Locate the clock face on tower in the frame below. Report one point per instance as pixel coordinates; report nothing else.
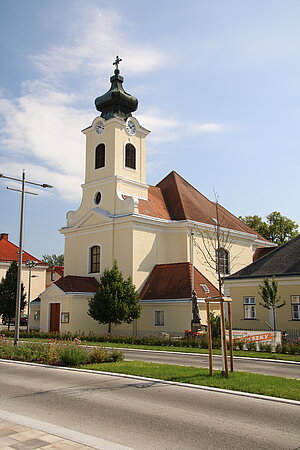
(130, 128)
(99, 127)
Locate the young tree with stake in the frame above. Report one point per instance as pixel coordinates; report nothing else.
(268, 291)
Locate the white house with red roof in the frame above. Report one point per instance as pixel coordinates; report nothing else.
(159, 235)
(36, 274)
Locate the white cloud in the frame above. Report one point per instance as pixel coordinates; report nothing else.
(41, 128)
(92, 48)
(169, 130)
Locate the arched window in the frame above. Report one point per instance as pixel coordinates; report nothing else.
(100, 156)
(130, 157)
(222, 261)
(95, 259)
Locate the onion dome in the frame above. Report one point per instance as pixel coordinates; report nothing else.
(116, 102)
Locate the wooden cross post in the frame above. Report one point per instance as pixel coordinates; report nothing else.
(223, 338)
(209, 339)
(230, 336)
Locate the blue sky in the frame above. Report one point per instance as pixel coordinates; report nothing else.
(217, 83)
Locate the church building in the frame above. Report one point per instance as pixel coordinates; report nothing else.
(159, 235)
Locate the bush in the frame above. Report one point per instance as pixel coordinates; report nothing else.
(100, 355)
(251, 346)
(263, 347)
(68, 354)
(71, 355)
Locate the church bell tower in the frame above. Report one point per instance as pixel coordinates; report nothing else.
(115, 148)
(115, 177)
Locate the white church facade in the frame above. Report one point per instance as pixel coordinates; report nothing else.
(149, 230)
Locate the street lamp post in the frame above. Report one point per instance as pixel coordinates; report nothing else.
(19, 282)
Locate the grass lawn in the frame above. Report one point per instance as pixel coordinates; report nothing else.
(237, 381)
(242, 353)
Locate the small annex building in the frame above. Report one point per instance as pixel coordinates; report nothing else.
(283, 263)
(35, 276)
(157, 234)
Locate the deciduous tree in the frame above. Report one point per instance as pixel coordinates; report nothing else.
(277, 228)
(53, 260)
(8, 293)
(116, 299)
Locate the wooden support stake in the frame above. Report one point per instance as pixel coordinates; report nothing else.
(223, 337)
(230, 336)
(209, 339)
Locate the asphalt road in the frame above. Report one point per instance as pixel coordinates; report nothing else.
(147, 415)
(240, 364)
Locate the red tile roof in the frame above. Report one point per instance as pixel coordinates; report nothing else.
(175, 281)
(260, 252)
(174, 198)
(58, 269)
(10, 252)
(155, 206)
(72, 283)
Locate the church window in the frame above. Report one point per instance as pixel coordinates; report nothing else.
(222, 261)
(130, 156)
(100, 156)
(95, 259)
(97, 198)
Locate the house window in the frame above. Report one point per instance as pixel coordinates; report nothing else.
(95, 259)
(295, 302)
(130, 157)
(222, 261)
(250, 308)
(52, 276)
(100, 156)
(36, 314)
(159, 318)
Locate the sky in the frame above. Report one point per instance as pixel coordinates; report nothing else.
(217, 84)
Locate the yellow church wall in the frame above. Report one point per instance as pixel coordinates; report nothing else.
(122, 249)
(240, 255)
(77, 259)
(177, 317)
(239, 289)
(154, 245)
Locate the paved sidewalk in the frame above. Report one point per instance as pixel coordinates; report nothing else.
(15, 436)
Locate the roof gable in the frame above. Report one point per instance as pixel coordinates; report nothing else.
(175, 281)
(284, 260)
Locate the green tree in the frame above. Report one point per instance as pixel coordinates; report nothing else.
(116, 299)
(277, 228)
(8, 293)
(268, 291)
(53, 260)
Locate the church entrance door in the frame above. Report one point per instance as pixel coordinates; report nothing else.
(54, 317)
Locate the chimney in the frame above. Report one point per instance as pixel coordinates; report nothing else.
(4, 236)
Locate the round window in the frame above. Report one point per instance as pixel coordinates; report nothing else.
(97, 198)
